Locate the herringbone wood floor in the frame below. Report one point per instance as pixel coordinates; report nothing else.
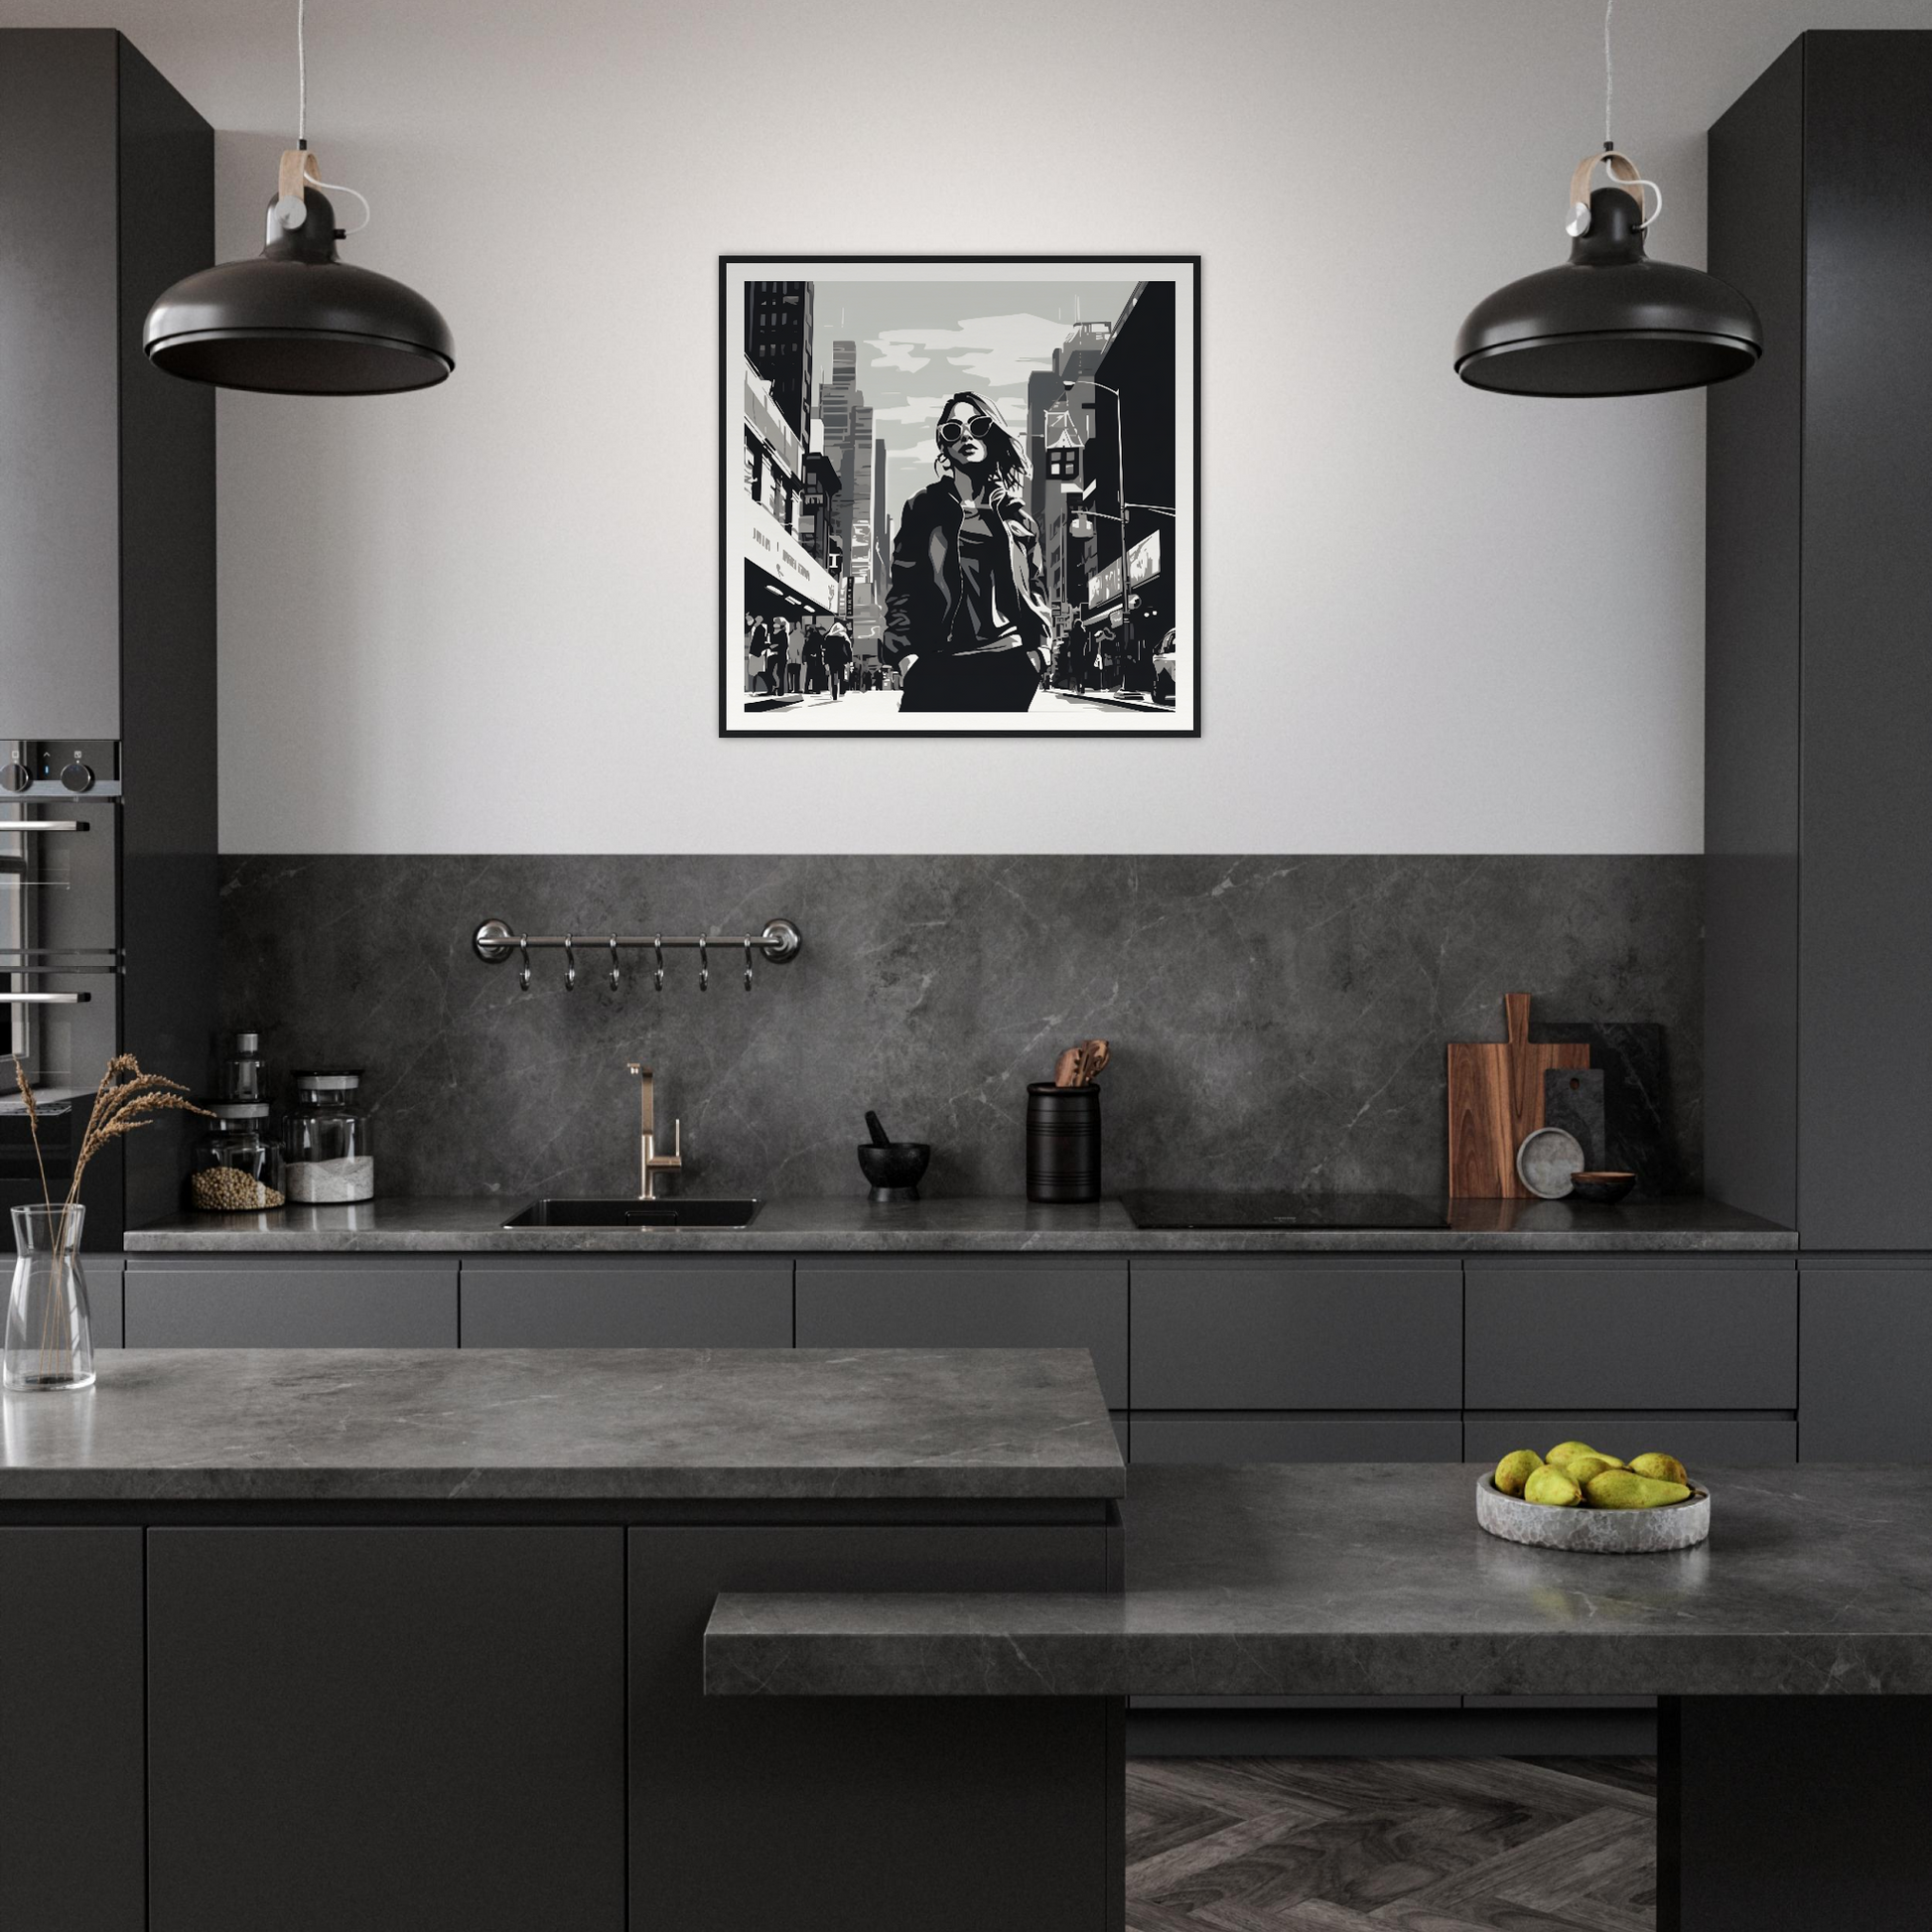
(1391, 1845)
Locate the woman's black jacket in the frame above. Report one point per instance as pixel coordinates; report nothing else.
(925, 594)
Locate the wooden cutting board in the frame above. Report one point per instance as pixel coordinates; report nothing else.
(1495, 1099)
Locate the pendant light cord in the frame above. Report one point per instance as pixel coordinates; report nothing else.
(302, 116)
(1609, 72)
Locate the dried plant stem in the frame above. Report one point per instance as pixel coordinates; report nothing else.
(33, 1127)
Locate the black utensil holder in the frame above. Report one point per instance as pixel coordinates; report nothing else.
(1062, 1142)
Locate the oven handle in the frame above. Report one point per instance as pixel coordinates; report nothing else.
(45, 999)
(43, 825)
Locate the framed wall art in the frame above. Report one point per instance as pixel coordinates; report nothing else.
(959, 497)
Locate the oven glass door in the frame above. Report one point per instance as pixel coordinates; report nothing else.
(60, 984)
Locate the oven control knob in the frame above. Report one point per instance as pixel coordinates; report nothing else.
(78, 777)
(15, 777)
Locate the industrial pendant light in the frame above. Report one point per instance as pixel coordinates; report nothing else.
(1609, 322)
(297, 319)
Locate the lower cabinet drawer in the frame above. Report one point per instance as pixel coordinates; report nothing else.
(618, 1301)
(104, 1272)
(1867, 1363)
(283, 1301)
(1268, 1333)
(1015, 1302)
(1631, 1333)
(1693, 1439)
(1223, 1437)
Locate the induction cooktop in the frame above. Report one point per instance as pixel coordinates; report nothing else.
(1156, 1210)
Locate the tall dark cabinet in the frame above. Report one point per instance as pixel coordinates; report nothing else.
(107, 700)
(1818, 815)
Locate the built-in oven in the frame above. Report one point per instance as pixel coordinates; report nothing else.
(60, 966)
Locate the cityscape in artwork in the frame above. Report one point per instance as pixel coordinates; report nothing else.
(864, 403)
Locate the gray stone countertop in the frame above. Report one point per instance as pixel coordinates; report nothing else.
(598, 1425)
(1373, 1580)
(961, 1225)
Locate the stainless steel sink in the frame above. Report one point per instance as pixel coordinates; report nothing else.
(636, 1214)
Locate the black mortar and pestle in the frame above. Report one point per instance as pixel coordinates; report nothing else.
(893, 1167)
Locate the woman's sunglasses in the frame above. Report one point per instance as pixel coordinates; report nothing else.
(952, 429)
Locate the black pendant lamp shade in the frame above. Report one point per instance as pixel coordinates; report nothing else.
(297, 319)
(1609, 322)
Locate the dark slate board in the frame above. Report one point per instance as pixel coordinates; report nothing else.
(1573, 1099)
(1636, 1098)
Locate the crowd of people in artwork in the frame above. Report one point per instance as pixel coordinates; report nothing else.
(1094, 656)
(788, 658)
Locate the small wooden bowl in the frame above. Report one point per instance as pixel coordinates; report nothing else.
(1604, 1185)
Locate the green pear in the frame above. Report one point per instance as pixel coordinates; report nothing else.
(1515, 1470)
(1622, 1489)
(1665, 1468)
(1550, 1485)
(1580, 1469)
(1565, 1450)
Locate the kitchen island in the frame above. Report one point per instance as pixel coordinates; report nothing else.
(413, 1638)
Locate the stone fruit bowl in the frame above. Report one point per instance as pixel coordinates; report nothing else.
(1598, 1532)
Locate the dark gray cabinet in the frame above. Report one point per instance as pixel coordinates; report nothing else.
(426, 1724)
(1866, 1393)
(1272, 1333)
(107, 585)
(1818, 705)
(1546, 1332)
(938, 1302)
(622, 1301)
(291, 1302)
(104, 1272)
(73, 1775)
(995, 1816)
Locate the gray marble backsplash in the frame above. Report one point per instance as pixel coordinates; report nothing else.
(1275, 1022)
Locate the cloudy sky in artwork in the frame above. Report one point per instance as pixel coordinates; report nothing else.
(920, 341)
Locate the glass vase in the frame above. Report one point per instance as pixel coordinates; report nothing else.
(50, 1338)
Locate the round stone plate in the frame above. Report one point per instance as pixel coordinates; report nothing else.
(1545, 1161)
(1599, 1532)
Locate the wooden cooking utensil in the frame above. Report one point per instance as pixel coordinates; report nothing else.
(1101, 1053)
(1495, 1099)
(1066, 1066)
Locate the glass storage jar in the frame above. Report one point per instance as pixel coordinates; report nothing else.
(239, 1162)
(327, 1139)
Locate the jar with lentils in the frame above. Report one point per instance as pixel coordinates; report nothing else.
(237, 1164)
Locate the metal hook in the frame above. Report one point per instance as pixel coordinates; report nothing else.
(748, 965)
(658, 946)
(704, 969)
(570, 962)
(617, 972)
(523, 946)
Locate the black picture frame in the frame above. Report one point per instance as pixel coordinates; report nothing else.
(732, 710)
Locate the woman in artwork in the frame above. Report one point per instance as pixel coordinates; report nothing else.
(966, 616)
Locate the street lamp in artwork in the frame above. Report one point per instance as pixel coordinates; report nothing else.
(1120, 464)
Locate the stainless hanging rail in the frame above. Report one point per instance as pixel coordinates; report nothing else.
(494, 941)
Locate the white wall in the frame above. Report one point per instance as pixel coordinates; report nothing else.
(483, 618)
